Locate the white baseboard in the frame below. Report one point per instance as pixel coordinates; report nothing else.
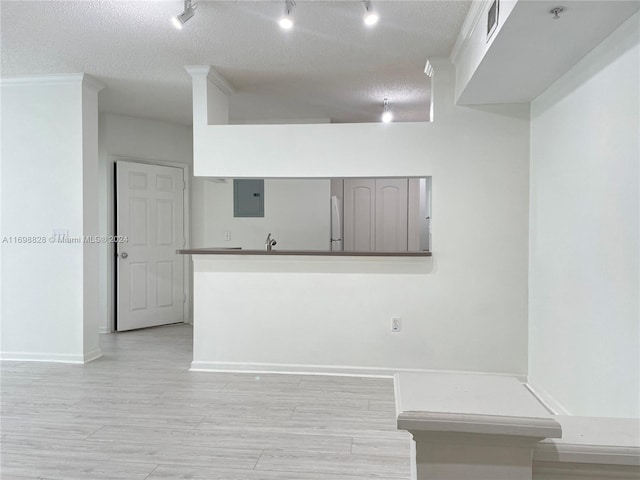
(265, 368)
(331, 370)
(92, 355)
(547, 401)
(50, 357)
(585, 471)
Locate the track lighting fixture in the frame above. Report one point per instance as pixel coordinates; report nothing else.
(286, 21)
(187, 13)
(370, 15)
(387, 116)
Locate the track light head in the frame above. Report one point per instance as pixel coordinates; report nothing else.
(387, 116)
(370, 15)
(286, 21)
(188, 12)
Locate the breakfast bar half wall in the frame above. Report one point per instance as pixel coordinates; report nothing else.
(302, 312)
(463, 309)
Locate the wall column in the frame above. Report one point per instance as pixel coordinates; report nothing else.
(49, 206)
(210, 107)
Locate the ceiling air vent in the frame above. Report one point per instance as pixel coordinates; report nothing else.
(492, 19)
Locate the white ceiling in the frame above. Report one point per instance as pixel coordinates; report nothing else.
(329, 66)
(533, 49)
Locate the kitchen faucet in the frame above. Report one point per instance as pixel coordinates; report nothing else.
(270, 243)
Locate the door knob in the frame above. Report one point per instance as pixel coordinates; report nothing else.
(124, 254)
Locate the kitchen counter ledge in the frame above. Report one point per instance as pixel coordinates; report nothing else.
(318, 253)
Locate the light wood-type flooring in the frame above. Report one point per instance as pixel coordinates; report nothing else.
(139, 413)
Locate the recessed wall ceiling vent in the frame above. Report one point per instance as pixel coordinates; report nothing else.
(428, 69)
(492, 18)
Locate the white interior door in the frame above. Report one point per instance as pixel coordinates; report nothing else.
(391, 214)
(359, 214)
(150, 275)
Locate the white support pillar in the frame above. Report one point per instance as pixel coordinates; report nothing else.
(91, 271)
(50, 273)
(210, 107)
(210, 96)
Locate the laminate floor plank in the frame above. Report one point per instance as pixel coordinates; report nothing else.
(133, 452)
(50, 429)
(381, 446)
(28, 466)
(172, 472)
(382, 405)
(228, 438)
(139, 413)
(376, 467)
(305, 429)
(99, 418)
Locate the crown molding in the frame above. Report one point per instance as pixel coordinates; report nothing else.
(90, 82)
(52, 79)
(42, 79)
(199, 71)
(219, 81)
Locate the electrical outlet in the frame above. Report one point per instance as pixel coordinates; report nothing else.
(396, 323)
(227, 236)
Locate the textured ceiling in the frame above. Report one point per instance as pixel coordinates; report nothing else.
(329, 66)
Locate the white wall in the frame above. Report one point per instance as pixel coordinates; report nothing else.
(466, 309)
(296, 213)
(91, 280)
(583, 304)
(134, 138)
(49, 164)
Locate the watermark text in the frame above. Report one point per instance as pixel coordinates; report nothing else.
(58, 238)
